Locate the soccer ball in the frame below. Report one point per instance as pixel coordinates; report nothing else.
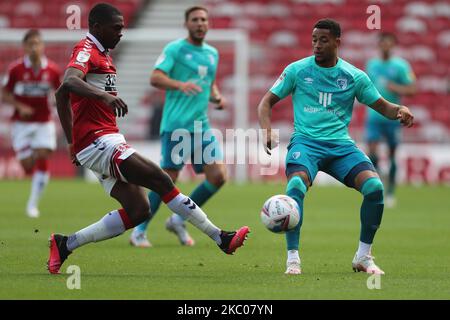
(280, 213)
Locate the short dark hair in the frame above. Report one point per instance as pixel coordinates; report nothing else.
(191, 9)
(329, 24)
(31, 33)
(101, 13)
(386, 34)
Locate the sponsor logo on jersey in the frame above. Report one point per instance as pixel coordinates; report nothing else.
(202, 71)
(325, 98)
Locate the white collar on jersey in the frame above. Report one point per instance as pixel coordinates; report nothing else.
(27, 62)
(97, 43)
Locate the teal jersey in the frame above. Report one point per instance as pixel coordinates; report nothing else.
(323, 97)
(184, 62)
(381, 72)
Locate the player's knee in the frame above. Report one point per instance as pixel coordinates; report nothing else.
(373, 189)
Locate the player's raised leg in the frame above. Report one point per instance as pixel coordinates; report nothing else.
(141, 171)
(134, 210)
(138, 237)
(296, 189)
(371, 187)
(215, 178)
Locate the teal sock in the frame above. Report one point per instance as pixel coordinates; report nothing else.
(392, 175)
(155, 202)
(295, 189)
(202, 193)
(371, 209)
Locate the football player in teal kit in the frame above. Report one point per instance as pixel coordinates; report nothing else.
(393, 77)
(186, 70)
(323, 88)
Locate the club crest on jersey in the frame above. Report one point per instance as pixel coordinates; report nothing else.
(83, 56)
(296, 155)
(211, 59)
(342, 83)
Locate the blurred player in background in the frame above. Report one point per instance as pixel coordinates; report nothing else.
(394, 78)
(88, 95)
(27, 87)
(186, 70)
(323, 89)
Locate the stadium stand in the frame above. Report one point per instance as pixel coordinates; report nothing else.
(280, 33)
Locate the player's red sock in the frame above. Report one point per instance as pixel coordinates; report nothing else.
(42, 165)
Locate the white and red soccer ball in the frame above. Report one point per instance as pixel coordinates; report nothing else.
(280, 213)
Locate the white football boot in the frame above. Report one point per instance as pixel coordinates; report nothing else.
(180, 230)
(139, 239)
(366, 264)
(33, 212)
(293, 267)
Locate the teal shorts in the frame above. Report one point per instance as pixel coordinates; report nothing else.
(341, 160)
(196, 149)
(389, 130)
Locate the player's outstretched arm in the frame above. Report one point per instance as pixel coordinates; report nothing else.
(394, 111)
(264, 116)
(161, 80)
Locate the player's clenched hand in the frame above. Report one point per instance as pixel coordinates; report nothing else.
(73, 156)
(25, 111)
(189, 88)
(120, 108)
(405, 116)
(221, 103)
(271, 140)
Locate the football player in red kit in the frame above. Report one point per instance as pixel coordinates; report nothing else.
(88, 105)
(27, 87)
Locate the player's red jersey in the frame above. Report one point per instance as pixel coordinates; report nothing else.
(32, 87)
(91, 117)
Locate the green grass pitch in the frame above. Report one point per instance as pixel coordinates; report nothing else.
(412, 246)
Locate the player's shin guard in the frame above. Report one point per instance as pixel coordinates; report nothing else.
(201, 194)
(110, 226)
(155, 202)
(371, 209)
(296, 189)
(188, 209)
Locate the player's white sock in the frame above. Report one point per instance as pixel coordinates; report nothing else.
(293, 255)
(38, 183)
(185, 207)
(363, 249)
(110, 226)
